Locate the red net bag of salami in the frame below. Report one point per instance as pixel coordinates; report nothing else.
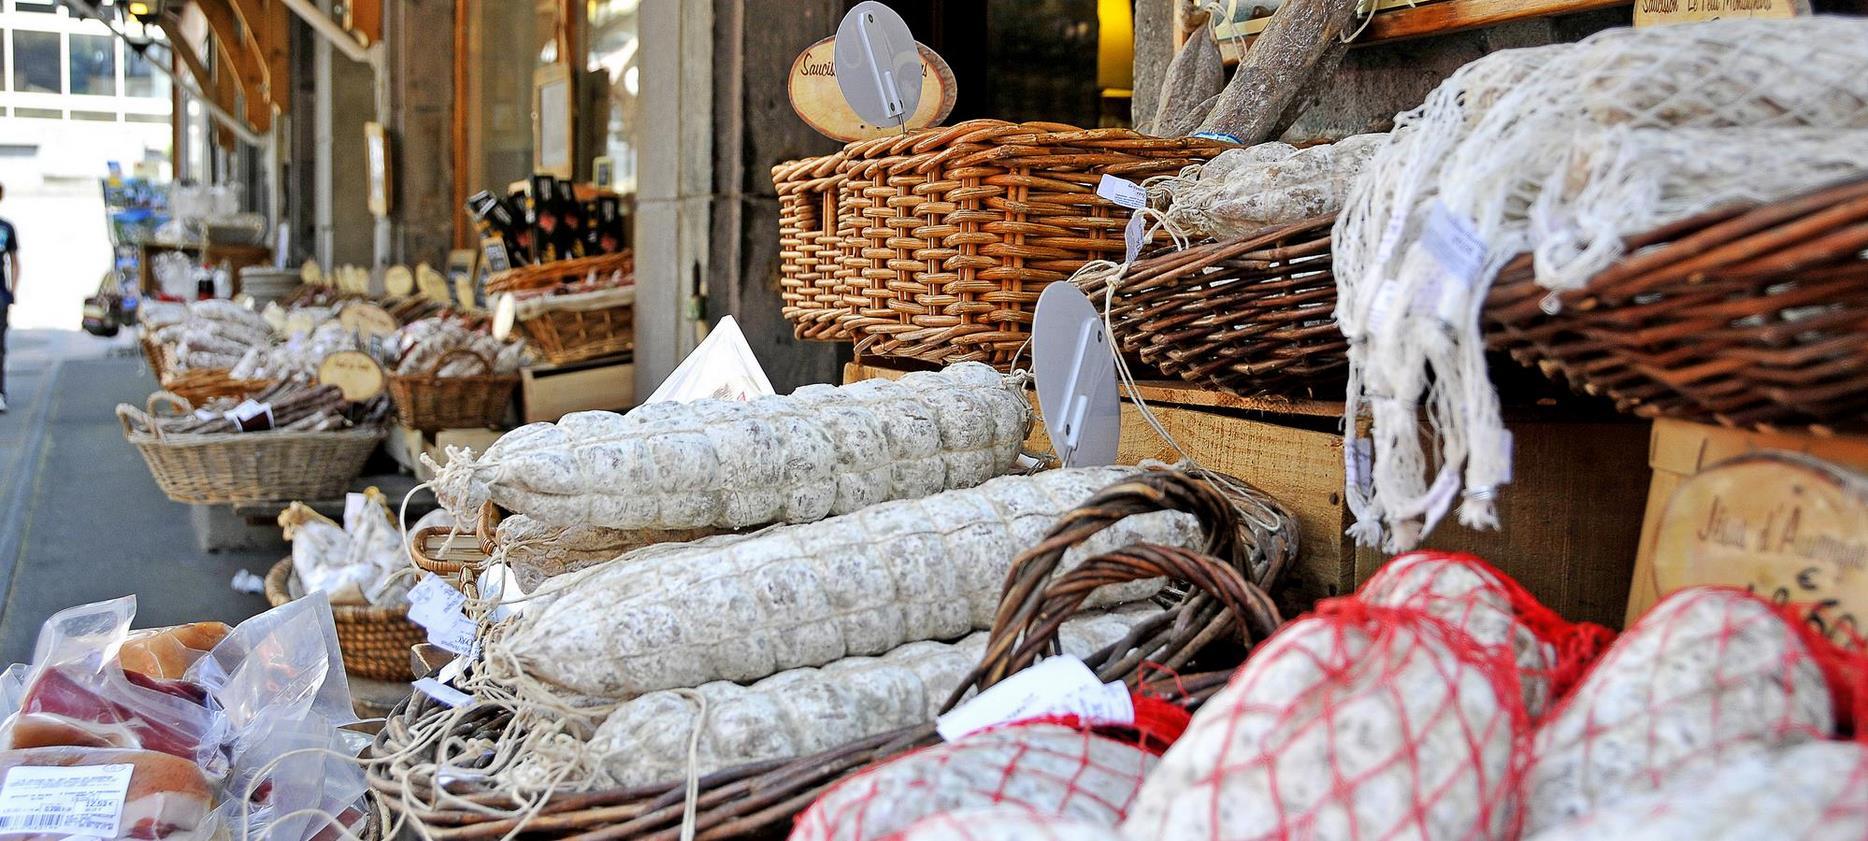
(1359, 722)
(1058, 771)
(1006, 823)
(1468, 593)
(1708, 677)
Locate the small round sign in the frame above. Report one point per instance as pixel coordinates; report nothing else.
(399, 281)
(311, 274)
(432, 284)
(367, 320)
(354, 373)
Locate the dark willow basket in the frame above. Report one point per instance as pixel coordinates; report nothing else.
(1220, 603)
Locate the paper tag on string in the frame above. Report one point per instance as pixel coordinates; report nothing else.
(431, 601)
(1453, 242)
(1057, 686)
(1132, 237)
(1123, 192)
(439, 691)
(83, 800)
(1382, 306)
(455, 633)
(1358, 465)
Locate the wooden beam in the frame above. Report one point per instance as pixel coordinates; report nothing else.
(263, 24)
(241, 56)
(1395, 20)
(364, 18)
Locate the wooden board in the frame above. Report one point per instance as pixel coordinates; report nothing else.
(354, 373)
(1679, 449)
(367, 320)
(1659, 12)
(1571, 518)
(1395, 20)
(1784, 525)
(547, 394)
(819, 101)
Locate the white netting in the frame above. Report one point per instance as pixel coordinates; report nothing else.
(1525, 138)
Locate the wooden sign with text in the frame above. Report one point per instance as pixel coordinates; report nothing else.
(367, 320)
(1788, 526)
(819, 102)
(1657, 12)
(354, 373)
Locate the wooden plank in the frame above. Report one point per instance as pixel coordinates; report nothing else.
(548, 394)
(1400, 22)
(364, 18)
(1186, 394)
(237, 54)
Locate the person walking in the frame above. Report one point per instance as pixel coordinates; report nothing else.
(9, 288)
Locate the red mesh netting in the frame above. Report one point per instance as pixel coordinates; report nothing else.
(1006, 823)
(1052, 769)
(1710, 675)
(1359, 722)
(1550, 651)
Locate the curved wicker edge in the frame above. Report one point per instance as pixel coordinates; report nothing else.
(374, 641)
(545, 275)
(428, 401)
(753, 798)
(1743, 316)
(464, 543)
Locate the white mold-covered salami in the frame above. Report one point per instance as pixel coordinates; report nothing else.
(1707, 676)
(810, 594)
(804, 711)
(1052, 770)
(1816, 791)
(1474, 600)
(817, 452)
(1358, 725)
(1006, 823)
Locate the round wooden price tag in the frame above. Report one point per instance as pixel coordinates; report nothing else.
(367, 320)
(311, 275)
(505, 315)
(1787, 526)
(299, 321)
(354, 373)
(432, 284)
(820, 103)
(399, 281)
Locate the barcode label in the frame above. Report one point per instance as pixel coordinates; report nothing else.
(81, 800)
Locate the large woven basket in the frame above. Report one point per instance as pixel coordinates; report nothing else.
(947, 236)
(431, 402)
(562, 329)
(374, 641)
(558, 273)
(758, 800)
(1250, 315)
(247, 466)
(1744, 317)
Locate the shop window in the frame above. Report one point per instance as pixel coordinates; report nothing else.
(39, 113)
(94, 116)
(140, 78)
(94, 65)
(147, 118)
(47, 6)
(614, 65)
(36, 62)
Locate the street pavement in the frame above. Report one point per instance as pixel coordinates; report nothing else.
(80, 518)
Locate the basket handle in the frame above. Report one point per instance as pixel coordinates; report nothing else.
(486, 365)
(1034, 606)
(129, 416)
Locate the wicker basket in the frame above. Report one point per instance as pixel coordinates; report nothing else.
(758, 800)
(446, 552)
(374, 641)
(431, 402)
(246, 466)
(1743, 317)
(557, 273)
(571, 328)
(1250, 315)
(947, 236)
(809, 255)
(200, 385)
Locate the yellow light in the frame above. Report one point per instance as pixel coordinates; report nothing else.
(139, 8)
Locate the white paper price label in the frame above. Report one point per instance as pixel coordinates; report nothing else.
(85, 800)
(1453, 242)
(1053, 687)
(456, 633)
(1132, 237)
(1358, 465)
(442, 692)
(1123, 192)
(432, 601)
(251, 416)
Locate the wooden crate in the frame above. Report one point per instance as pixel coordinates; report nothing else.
(405, 446)
(1679, 449)
(549, 392)
(1571, 519)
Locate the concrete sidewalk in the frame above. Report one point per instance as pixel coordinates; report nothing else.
(80, 518)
